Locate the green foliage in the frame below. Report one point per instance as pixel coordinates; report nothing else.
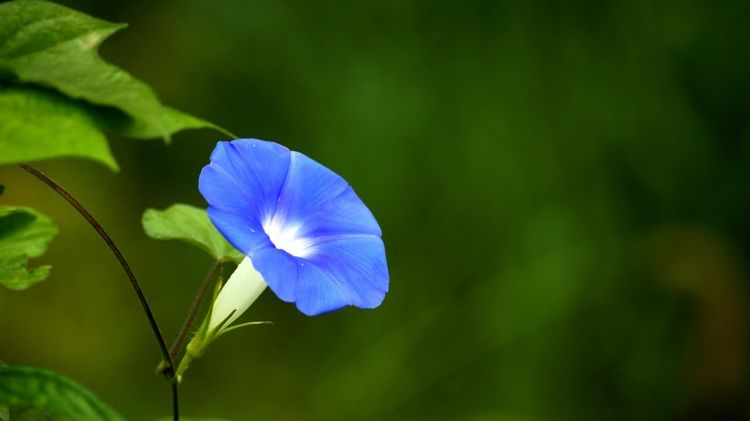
(190, 224)
(24, 233)
(172, 120)
(68, 128)
(36, 393)
(48, 45)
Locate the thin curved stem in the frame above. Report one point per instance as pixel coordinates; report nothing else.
(126, 267)
(179, 342)
(175, 399)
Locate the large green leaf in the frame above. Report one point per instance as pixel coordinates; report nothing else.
(49, 396)
(38, 124)
(24, 233)
(48, 44)
(113, 121)
(191, 224)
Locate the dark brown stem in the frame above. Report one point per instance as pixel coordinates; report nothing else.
(190, 318)
(175, 398)
(126, 267)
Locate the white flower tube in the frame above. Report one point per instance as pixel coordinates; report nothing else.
(237, 295)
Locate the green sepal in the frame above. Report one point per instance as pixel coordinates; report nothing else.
(241, 325)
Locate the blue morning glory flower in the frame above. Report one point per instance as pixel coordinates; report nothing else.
(302, 227)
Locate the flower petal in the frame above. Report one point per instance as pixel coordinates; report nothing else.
(357, 262)
(243, 232)
(351, 267)
(259, 169)
(279, 269)
(307, 232)
(318, 293)
(321, 202)
(241, 186)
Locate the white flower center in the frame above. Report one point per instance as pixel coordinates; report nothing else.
(284, 236)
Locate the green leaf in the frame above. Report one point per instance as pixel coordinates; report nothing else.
(51, 45)
(49, 395)
(113, 121)
(39, 123)
(191, 224)
(24, 233)
(4, 413)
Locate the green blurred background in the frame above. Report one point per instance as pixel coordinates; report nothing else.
(562, 186)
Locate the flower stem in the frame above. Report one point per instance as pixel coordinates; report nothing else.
(126, 267)
(190, 318)
(193, 350)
